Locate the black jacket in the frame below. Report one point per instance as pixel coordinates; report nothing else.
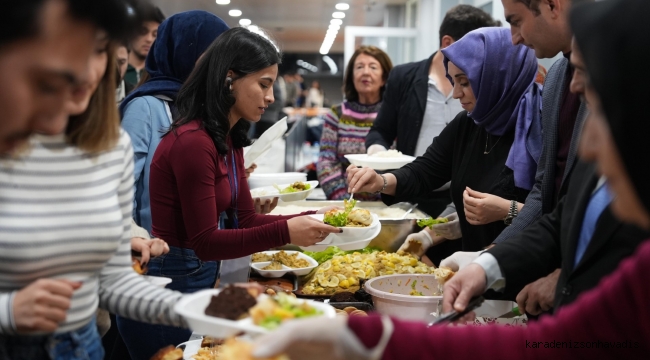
(402, 110)
(551, 243)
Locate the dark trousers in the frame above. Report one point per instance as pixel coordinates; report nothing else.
(189, 274)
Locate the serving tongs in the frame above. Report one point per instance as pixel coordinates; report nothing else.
(455, 315)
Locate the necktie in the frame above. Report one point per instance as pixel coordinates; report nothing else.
(597, 204)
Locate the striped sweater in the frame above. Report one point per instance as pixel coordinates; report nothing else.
(344, 132)
(65, 214)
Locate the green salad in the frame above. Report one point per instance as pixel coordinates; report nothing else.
(295, 187)
(287, 307)
(339, 218)
(430, 222)
(332, 251)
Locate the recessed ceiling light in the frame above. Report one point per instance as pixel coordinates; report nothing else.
(236, 13)
(334, 27)
(336, 22)
(342, 6)
(244, 22)
(338, 15)
(254, 28)
(223, 2)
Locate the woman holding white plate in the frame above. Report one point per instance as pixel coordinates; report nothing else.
(491, 148)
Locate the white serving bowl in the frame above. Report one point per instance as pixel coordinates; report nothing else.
(390, 295)
(258, 266)
(262, 180)
(270, 192)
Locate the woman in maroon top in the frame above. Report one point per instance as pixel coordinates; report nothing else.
(610, 321)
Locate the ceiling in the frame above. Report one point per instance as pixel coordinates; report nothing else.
(296, 25)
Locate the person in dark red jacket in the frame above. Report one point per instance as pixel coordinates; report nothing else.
(610, 321)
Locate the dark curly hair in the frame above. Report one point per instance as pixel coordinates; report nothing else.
(462, 19)
(206, 95)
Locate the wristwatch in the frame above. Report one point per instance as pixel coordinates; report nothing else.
(512, 213)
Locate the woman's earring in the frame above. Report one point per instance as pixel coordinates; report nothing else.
(229, 81)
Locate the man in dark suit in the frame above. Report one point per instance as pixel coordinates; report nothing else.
(561, 239)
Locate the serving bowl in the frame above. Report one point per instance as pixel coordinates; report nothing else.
(391, 296)
(259, 266)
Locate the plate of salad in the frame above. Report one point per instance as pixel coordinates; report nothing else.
(296, 191)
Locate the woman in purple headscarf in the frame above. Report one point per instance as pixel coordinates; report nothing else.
(491, 148)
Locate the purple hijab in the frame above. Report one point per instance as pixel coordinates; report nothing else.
(510, 99)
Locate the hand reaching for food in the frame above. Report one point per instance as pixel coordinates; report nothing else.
(416, 244)
(307, 231)
(367, 180)
(449, 230)
(316, 339)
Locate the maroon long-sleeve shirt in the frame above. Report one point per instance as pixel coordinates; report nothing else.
(189, 189)
(611, 321)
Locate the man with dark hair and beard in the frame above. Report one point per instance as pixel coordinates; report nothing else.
(142, 42)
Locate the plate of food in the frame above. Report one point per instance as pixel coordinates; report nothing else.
(275, 264)
(383, 160)
(225, 312)
(296, 191)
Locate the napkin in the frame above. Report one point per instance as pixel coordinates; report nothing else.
(263, 144)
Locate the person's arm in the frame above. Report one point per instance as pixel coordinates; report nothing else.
(429, 171)
(193, 159)
(137, 123)
(121, 290)
(585, 329)
(384, 128)
(331, 173)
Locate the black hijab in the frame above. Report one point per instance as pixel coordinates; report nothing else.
(614, 38)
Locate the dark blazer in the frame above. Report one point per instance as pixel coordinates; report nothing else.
(402, 110)
(551, 243)
(542, 197)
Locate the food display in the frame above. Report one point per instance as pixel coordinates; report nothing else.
(168, 353)
(281, 258)
(295, 187)
(351, 311)
(343, 272)
(274, 265)
(383, 213)
(231, 349)
(236, 303)
(388, 154)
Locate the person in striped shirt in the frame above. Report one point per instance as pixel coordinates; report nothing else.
(65, 229)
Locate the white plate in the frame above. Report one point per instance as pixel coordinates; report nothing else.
(263, 144)
(379, 163)
(285, 269)
(192, 308)
(158, 280)
(270, 192)
(191, 348)
(351, 238)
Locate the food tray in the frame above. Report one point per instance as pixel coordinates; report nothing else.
(258, 266)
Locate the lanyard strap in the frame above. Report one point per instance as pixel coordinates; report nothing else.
(234, 190)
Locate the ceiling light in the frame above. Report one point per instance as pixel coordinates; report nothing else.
(223, 2)
(244, 22)
(336, 22)
(254, 28)
(334, 27)
(338, 15)
(236, 13)
(342, 6)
